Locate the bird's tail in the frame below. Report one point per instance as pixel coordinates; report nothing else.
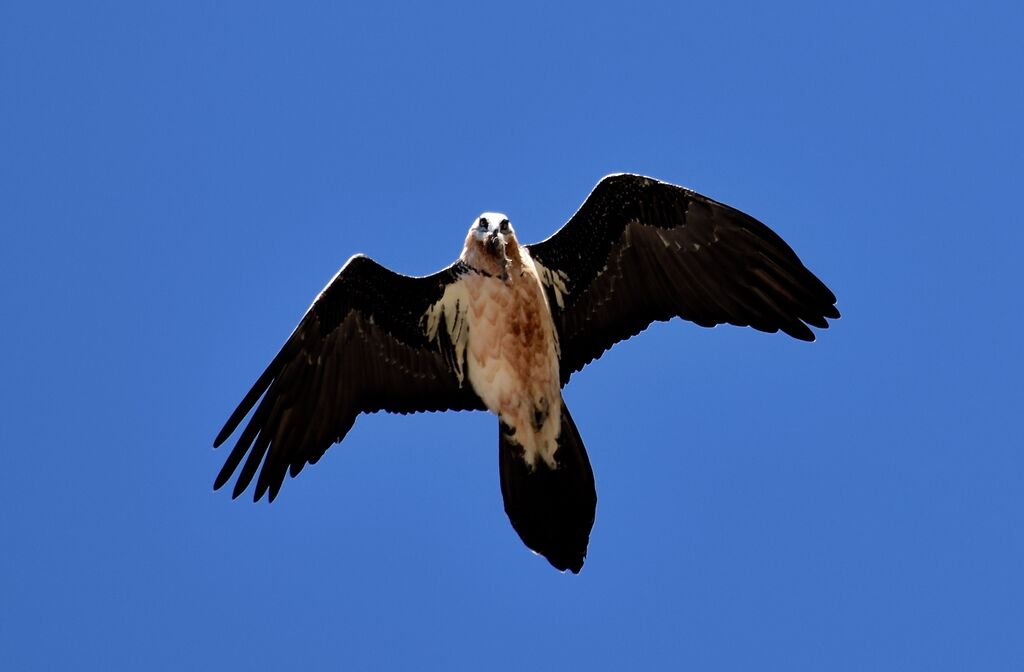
(551, 509)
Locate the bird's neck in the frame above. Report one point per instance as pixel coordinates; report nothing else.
(499, 263)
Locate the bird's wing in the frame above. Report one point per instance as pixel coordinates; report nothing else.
(372, 340)
(640, 250)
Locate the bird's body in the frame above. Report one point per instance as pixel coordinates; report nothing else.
(505, 327)
(512, 357)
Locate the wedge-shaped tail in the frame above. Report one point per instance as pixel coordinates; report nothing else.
(552, 510)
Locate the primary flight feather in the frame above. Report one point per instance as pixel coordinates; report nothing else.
(503, 329)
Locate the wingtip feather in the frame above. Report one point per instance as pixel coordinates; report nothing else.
(225, 432)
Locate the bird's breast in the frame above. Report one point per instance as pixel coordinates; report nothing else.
(512, 357)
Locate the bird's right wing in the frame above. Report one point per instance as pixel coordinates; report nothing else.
(372, 340)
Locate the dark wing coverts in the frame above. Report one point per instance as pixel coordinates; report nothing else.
(640, 250)
(360, 348)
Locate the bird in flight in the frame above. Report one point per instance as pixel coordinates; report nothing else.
(504, 328)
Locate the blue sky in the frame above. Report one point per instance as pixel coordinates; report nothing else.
(178, 181)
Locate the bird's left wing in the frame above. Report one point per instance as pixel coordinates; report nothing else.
(640, 250)
(372, 340)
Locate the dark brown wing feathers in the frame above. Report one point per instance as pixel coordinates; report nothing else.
(640, 250)
(360, 348)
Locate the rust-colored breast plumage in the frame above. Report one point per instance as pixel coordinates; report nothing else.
(513, 358)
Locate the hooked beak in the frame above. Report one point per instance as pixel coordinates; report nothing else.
(497, 245)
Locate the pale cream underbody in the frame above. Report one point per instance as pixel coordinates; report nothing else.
(504, 331)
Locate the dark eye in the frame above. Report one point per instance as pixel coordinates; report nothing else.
(503, 226)
(482, 224)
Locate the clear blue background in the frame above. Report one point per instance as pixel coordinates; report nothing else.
(178, 181)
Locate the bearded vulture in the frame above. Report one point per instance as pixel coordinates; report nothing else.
(505, 327)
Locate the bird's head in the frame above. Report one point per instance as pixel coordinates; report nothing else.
(491, 244)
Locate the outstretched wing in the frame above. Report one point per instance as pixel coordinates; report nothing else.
(640, 250)
(373, 340)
